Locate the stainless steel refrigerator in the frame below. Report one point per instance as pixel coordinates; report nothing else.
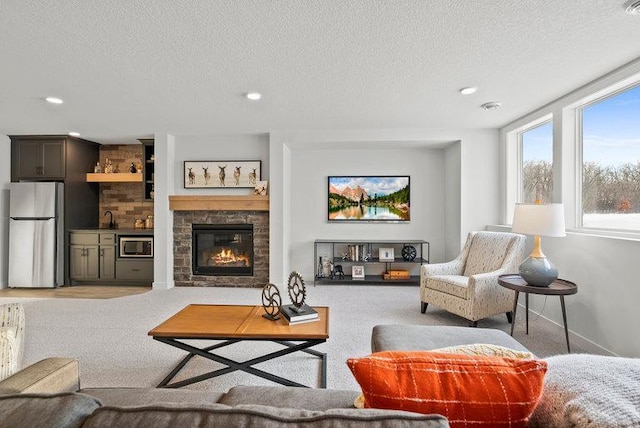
(36, 234)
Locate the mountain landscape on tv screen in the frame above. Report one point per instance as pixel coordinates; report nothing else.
(368, 198)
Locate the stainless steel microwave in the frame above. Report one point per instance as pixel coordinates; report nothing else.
(135, 246)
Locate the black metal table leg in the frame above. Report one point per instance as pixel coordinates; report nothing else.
(515, 309)
(245, 366)
(564, 320)
(526, 300)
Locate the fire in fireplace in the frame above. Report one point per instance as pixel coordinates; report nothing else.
(222, 249)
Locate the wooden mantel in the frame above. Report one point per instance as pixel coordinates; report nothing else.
(219, 203)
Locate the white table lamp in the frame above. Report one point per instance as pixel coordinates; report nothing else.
(538, 220)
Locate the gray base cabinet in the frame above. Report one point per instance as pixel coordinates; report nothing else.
(93, 260)
(92, 256)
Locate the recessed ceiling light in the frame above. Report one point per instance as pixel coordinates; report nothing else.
(468, 90)
(633, 8)
(74, 134)
(254, 96)
(54, 100)
(493, 105)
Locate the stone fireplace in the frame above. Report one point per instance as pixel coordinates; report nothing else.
(228, 247)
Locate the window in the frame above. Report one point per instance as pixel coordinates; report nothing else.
(611, 161)
(537, 163)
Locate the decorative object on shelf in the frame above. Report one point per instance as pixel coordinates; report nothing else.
(139, 167)
(271, 301)
(320, 269)
(367, 257)
(132, 168)
(232, 173)
(327, 267)
(368, 199)
(152, 193)
(97, 169)
(538, 220)
(345, 257)
(338, 272)
(108, 166)
(386, 254)
(396, 274)
(409, 253)
(357, 272)
(297, 291)
(261, 188)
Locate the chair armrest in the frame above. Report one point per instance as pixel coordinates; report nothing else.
(51, 375)
(9, 352)
(453, 267)
(486, 279)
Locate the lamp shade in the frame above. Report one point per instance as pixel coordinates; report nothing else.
(539, 219)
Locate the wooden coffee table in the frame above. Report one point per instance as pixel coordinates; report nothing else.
(232, 324)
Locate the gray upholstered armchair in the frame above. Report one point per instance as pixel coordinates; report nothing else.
(468, 286)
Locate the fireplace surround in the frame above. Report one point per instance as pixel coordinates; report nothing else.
(183, 248)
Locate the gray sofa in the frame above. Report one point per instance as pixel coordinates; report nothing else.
(49, 393)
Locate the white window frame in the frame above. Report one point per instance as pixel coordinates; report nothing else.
(567, 149)
(579, 110)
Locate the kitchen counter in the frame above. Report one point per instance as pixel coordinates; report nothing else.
(119, 231)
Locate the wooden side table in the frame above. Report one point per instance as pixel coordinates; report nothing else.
(559, 287)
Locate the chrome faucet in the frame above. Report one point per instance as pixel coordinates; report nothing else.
(112, 225)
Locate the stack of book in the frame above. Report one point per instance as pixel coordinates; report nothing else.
(356, 253)
(398, 274)
(300, 315)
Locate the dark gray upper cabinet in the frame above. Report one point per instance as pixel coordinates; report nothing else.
(40, 158)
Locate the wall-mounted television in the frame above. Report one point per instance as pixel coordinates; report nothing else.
(363, 198)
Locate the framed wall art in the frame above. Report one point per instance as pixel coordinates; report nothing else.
(357, 272)
(386, 254)
(220, 174)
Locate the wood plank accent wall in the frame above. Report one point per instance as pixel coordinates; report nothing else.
(219, 203)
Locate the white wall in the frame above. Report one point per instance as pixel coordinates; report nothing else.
(310, 167)
(164, 185)
(476, 165)
(5, 179)
(219, 147)
(452, 185)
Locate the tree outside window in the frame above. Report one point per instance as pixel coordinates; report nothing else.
(611, 162)
(537, 163)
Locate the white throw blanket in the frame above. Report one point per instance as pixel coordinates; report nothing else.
(592, 391)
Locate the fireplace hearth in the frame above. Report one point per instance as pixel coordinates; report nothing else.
(222, 249)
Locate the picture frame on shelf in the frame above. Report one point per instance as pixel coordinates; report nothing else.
(385, 254)
(262, 188)
(357, 272)
(222, 174)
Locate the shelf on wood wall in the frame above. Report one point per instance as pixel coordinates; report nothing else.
(219, 202)
(114, 177)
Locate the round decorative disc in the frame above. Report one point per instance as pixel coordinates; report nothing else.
(297, 291)
(409, 253)
(271, 302)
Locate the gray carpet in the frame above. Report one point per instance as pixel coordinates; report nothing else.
(109, 337)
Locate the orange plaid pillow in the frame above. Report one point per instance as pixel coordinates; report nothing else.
(469, 390)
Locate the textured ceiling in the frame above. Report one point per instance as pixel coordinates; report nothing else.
(128, 69)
